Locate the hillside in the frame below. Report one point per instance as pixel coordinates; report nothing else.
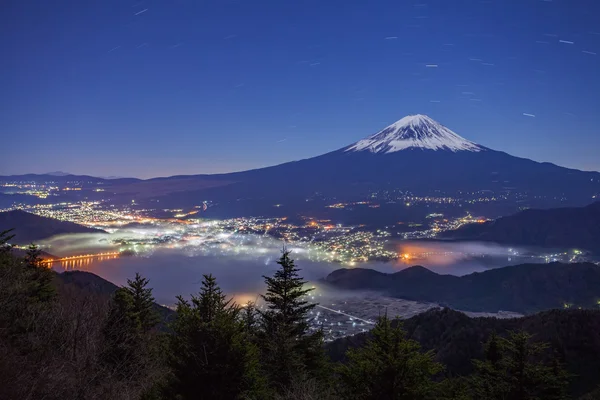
(577, 227)
(377, 162)
(456, 340)
(31, 228)
(86, 282)
(525, 288)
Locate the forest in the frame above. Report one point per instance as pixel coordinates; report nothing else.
(61, 341)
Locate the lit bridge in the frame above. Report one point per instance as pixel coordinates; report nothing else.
(81, 260)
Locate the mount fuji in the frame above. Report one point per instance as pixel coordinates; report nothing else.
(414, 131)
(415, 154)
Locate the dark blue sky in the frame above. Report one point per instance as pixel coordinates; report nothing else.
(202, 86)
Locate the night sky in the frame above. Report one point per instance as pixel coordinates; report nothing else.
(164, 87)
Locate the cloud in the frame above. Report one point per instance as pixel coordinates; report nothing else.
(239, 261)
(178, 271)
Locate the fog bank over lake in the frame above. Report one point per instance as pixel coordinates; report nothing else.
(178, 270)
(172, 273)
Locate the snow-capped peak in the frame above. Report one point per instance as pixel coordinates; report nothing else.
(414, 131)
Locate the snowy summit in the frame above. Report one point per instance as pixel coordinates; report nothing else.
(414, 131)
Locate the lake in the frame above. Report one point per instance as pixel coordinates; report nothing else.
(177, 271)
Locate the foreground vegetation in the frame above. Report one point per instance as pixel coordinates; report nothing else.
(59, 342)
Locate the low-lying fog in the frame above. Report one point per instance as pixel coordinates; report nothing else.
(241, 260)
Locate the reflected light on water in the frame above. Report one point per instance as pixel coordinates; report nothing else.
(83, 263)
(434, 255)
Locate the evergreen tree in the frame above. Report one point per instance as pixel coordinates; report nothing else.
(487, 383)
(249, 318)
(33, 255)
(143, 302)
(27, 290)
(388, 367)
(122, 334)
(211, 357)
(212, 302)
(492, 350)
(513, 370)
(5, 246)
(42, 286)
(289, 350)
(131, 316)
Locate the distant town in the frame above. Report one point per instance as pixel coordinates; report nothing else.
(323, 239)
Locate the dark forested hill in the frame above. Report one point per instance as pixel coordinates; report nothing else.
(457, 339)
(31, 228)
(86, 282)
(525, 288)
(559, 227)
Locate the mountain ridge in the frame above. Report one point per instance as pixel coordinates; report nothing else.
(343, 173)
(457, 339)
(525, 288)
(417, 166)
(30, 227)
(566, 227)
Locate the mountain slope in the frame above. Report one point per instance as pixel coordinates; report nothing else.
(561, 227)
(415, 154)
(525, 288)
(30, 227)
(457, 340)
(89, 283)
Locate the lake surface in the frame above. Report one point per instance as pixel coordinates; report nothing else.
(172, 273)
(175, 272)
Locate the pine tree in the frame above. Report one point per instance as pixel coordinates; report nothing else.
(131, 317)
(249, 318)
(33, 255)
(42, 286)
(211, 357)
(487, 382)
(493, 352)
(289, 350)
(212, 302)
(143, 302)
(122, 334)
(27, 290)
(5, 246)
(513, 370)
(388, 367)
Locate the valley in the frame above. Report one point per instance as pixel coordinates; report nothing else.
(313, 200)
(365, 214)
